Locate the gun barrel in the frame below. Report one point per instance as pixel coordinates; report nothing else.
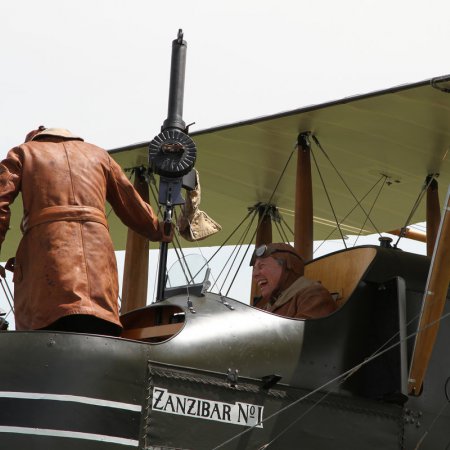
(176, 90)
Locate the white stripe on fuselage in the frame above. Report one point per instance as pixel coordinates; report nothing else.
(71, 398)
(69, 434)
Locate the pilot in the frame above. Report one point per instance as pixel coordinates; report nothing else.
(278, 271)
(65, 272)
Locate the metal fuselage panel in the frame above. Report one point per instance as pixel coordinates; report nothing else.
(83, 392)
(218, 338)
(61, 390)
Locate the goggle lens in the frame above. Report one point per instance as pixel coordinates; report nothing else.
(264, 250)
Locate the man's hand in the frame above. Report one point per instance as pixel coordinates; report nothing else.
(167, 229)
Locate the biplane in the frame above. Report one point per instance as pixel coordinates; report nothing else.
(197, 369)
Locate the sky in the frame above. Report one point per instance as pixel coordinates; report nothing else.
(101, 67)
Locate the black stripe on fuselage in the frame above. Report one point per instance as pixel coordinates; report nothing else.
(69, 416)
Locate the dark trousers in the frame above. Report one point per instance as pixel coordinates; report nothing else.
(83, 323)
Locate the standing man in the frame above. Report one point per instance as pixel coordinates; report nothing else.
(278, 271)
(65, 272)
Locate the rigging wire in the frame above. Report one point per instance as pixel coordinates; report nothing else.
(287, 225)
(342, 376)
(259, 222)
(316, 140)
(176, 241)
(11, 306)
(348, 214)
(221, 246)
(235, 250)
(281, 231)
(374, 355)
(240, 244)
(426, 432)
(267, 207)
(282, 173)
(329, 199)
(376, 352)
(237, 269)
(305, 413)
(370, 210)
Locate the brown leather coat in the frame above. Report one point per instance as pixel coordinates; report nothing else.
(304, 299)
(65, 263)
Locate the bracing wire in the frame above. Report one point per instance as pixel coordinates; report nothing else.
(381, 350)
(329, 199)
(343, 181)
(281, 232)
(223, 244)
(282, 174)
(376, 352)
(242, 240)
(338, 378)
(348, 214)
(8, 298)
(287, 225)
(427, 431)
(260, 221)
(370, 211)
(237, 269)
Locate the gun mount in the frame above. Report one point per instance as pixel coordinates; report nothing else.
(172, 153)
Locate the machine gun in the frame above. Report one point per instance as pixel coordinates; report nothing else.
(172, 153)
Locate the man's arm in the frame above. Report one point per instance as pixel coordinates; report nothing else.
(10, 179)
(132, 210)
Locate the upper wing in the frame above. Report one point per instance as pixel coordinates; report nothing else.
(394, 138)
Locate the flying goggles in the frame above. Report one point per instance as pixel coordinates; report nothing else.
(263, 251)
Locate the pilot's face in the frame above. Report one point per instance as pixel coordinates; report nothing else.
(267, 274)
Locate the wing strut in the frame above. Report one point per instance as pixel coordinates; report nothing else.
(433, 213)
(433, 303)
(135, 272)
(263, 236)
(303, 231)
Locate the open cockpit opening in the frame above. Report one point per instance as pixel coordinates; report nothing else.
(153, 324)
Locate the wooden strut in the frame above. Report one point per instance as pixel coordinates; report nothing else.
(303, 227)
(433, 214)
(433, 219)
(410, 234)
(433, 303)
(135, 272)
(263, 236)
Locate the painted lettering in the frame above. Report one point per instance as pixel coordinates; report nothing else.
(191, 406)
(181, 405)
(205, 409)
(227, 412)
(243, 415)
(157, 396)
(238, 413)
